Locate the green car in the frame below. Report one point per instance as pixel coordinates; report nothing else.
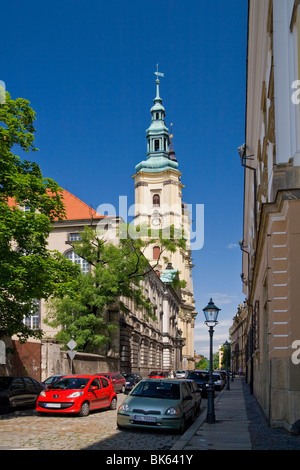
(158, 403)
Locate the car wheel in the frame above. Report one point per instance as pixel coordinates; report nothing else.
(5, 407)
(85, 409)
(113, 404)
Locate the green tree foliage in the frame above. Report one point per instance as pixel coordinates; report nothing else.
(117, 270)
(28, 271)
(216, 361)
(225, 359)
(202, 364)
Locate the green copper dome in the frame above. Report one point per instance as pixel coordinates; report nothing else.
(160, 156)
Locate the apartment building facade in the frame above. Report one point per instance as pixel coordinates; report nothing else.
(271, 231)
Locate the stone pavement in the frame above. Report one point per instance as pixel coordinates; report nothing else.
(229, 432)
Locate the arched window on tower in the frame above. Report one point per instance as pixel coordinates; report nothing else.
(156, 200)
(156, 252)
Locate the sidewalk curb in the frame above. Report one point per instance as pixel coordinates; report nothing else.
(189, 433)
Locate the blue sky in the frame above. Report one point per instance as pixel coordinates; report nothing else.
(87, 68)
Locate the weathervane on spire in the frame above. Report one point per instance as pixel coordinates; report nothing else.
(157, 73)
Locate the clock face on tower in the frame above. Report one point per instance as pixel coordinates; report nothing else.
(155, 221)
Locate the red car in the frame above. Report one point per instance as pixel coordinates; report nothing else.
(77, 394)
(118, 381)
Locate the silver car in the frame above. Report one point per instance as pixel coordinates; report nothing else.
(181, 374)
(218, 381)
(158, 403)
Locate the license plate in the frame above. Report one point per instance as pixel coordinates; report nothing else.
(148, 419)
(53, 405)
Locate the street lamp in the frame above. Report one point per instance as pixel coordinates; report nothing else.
(211, 314)
(227, 349)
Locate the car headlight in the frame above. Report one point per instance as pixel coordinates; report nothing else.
(124, 407)
(173, 411)
(75, 395)
(42, 393)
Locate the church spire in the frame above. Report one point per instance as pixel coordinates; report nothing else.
(158, 138)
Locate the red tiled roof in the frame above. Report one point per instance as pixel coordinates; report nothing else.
(75, 209)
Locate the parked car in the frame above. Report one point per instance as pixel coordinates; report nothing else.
(201, 379)
(50, 380)
(195, 392)
(224, 375)
(118, 381)
(162, 374)
(132, 378)
(156, 403)
(181, 374)
(18, 392)
(219, 381)
(77, 394)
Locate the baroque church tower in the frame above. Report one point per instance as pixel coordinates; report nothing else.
(158, 204)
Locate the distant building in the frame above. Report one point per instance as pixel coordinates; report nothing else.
(238, 338)
(271, 233)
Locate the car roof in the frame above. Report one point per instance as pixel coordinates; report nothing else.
(76, 376)
(177, 380)
(159, 372)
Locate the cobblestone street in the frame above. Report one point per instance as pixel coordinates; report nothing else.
(25, 429)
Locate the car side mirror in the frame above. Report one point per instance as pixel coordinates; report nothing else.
(94, 387)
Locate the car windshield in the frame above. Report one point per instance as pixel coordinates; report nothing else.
(198, 376)
(165, 390)
(69, 383)
(157, 372)
(128, 376)
(5, 382)
(50, 380)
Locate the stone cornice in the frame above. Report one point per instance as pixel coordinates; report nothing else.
(77, 222)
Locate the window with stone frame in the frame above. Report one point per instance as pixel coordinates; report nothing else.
(33, 321)
(156, 252)
(156, 200)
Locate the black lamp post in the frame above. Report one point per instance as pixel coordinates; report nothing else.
(211, 314)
